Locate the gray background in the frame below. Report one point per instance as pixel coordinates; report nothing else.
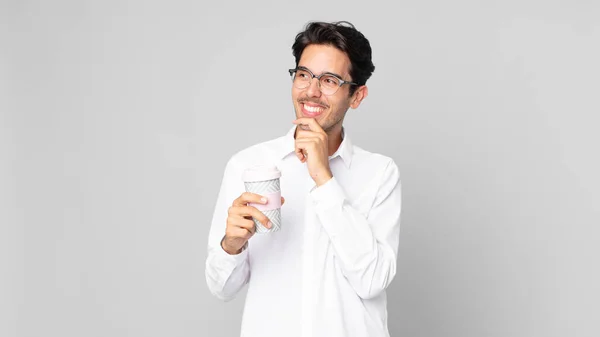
(118, 118)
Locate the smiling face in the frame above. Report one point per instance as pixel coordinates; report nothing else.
(329, 111)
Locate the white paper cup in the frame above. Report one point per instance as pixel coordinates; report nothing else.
(264, 180)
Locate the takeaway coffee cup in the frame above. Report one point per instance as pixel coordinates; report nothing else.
(264, 180)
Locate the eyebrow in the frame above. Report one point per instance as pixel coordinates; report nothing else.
(327, 72)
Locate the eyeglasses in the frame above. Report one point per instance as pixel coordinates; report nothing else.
(328, 83)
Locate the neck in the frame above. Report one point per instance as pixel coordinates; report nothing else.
(334, 139)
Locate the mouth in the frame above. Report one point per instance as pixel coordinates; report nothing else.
(311, 109)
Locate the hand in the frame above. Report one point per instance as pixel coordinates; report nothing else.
(312, 147)
(240, 227)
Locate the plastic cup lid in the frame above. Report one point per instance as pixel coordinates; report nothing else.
(261, 173)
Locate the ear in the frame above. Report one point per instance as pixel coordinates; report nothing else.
(360, 94)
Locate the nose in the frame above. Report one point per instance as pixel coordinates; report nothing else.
(313, 89)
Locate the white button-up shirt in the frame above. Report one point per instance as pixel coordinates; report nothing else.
(325, 272)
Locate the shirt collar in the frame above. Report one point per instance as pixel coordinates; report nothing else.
(344, 151)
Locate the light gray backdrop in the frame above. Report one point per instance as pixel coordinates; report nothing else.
(119, 116)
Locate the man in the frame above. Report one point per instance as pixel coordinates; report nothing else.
(325, 272)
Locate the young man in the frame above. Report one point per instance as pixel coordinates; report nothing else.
(325, 272)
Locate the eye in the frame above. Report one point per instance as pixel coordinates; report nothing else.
(331, 81)
(302, 74)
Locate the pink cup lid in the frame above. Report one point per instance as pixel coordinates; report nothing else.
(261, 173)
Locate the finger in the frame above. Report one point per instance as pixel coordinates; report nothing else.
(247, 197)
(310, 122)
(322, 136)
(304, 133)
(253, 212)
(238, 227)
(301, 154)
(309, 141)
(282, 201)
(239, 232)
(242, 222)
(307, 145)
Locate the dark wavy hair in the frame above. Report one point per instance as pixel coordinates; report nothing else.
(343, 36)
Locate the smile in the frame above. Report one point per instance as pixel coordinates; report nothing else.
(312, 111)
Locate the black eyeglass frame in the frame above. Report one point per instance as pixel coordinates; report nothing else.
(342, 82)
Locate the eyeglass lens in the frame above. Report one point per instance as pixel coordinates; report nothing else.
(329, 84)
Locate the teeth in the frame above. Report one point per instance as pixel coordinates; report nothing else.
(312, 109)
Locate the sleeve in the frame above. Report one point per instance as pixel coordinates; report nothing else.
(365, 247)
(225, 274)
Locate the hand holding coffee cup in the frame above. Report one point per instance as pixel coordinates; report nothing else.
(240, 227)
(264, 180)
(244, 217)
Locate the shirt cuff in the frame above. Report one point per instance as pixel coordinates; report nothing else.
(232, 260)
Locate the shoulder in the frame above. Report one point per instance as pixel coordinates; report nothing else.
(373, 161)
(262, 153)
(380, 171)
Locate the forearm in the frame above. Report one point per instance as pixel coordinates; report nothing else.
(226, 274)
(365, 248)
(368, 264)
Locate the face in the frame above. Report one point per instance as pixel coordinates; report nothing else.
(329, 111)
